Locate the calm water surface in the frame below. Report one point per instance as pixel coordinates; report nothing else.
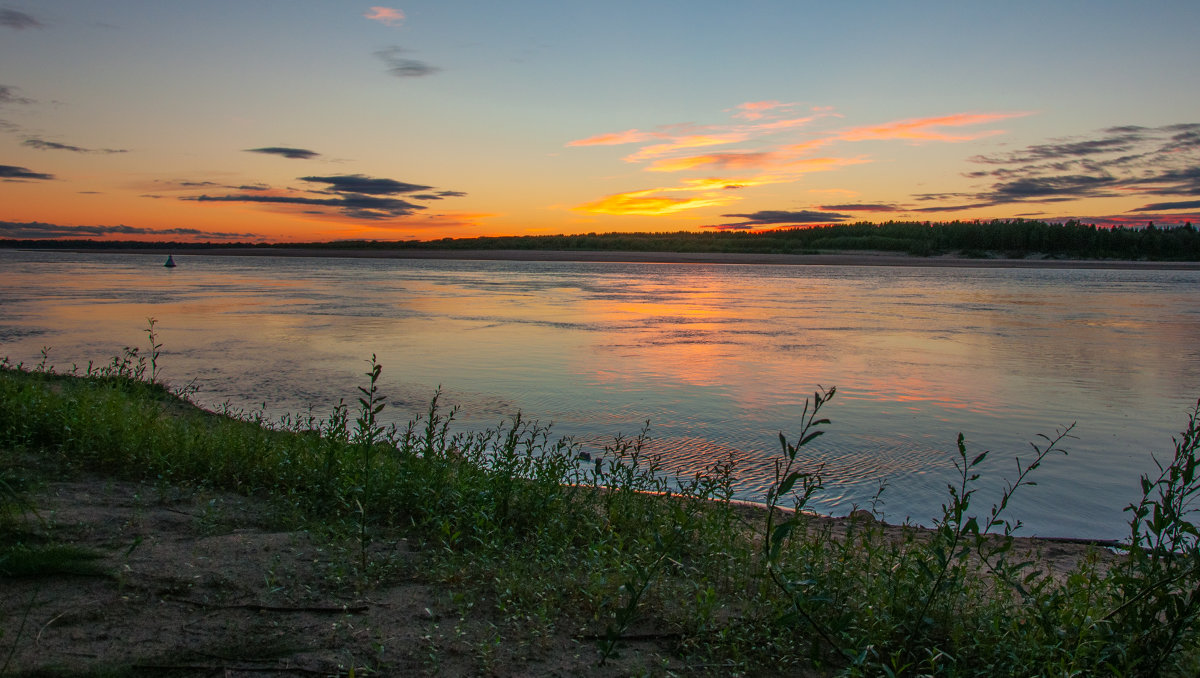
(719, 358)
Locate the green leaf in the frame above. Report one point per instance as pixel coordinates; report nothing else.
(788, 483)
(808, 438)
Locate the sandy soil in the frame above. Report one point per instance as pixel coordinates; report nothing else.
(203, 585)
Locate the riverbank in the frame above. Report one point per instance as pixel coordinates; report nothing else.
(856, 258)
(320, 546)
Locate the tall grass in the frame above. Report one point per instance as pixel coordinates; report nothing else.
(613, 548)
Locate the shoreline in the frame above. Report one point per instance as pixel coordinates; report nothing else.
(864, 258)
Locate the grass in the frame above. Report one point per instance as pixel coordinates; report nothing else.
(613, 551)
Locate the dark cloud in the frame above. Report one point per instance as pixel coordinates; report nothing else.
(861, 208)
(354, 205)
(354, 195)
(1040, 188)
(14, 172)
(1122, 141)
(294, 153)
(8, 95)
(1127, 160)
(18, 20)
(731, 227)
(1182, 205)
(38, 230)
(403, 67)
(358, 183)
(780, 217)
(954, 208)
(44, 145)
(1180, 181)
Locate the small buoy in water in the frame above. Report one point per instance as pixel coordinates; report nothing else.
(170, 262)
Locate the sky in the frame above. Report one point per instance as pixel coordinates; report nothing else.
(321, 120)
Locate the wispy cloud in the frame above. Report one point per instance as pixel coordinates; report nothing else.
(1118, 162)
(780, 218)
(8, 95)
(353, 195)
(755, 110)
(43, 145)
(357, 206)
(18, 20)
(388, 16)
(863, 207)
(651, 202)
(358, 183)
(12, 173)
(1168, 206)
(402, 66)
(286, 152)
(629, 136)
(36, 230)
(772, 142)
(928, 129)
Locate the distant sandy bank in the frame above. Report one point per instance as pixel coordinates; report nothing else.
(833, 259)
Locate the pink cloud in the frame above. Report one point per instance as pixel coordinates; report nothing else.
(629, 136)
(386, 15)
(755, 110)
(928, 129)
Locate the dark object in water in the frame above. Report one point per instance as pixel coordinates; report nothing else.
(170, 262)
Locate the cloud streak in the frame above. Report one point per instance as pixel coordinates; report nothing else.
(928, 129)
(352, 195)
(1118, 162)
(358, 183)
(387, 16)
(780, 218)
(12, 172)
(286, 152)
(19, 21)
(774, 145)
(35, 230)
(43, 145)
(8, 95)
(404, 67)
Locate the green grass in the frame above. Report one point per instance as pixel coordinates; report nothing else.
(510, 519)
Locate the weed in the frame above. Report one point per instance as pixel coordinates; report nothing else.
(520, 528)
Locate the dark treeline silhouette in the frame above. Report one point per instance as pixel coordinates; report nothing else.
(1017, 238)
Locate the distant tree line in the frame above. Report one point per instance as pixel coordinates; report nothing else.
(1012, 238)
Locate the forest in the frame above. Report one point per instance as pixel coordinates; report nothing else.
(1010, 238)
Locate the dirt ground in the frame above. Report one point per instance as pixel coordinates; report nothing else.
(200, 584)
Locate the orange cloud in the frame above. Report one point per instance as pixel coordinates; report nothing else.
(386, 15)
(692, 141)
(629, 136)
(755, 110)
(646, 203)
(927, 129)
(732, 160)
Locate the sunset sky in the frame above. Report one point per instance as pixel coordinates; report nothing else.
(285, 120)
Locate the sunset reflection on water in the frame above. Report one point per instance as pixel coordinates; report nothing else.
(719, 358)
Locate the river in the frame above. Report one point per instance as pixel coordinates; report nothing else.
(718, 358)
